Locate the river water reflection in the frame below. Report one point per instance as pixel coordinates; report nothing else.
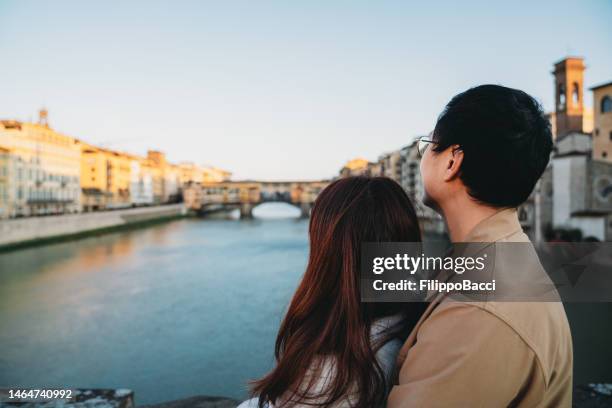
(179, 309)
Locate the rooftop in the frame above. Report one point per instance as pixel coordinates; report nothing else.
(600, 86)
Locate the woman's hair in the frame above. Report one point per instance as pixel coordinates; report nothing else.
(326, 317)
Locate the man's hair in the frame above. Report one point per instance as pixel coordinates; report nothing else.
(505, 138)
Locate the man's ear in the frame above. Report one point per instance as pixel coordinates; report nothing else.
(453, 165)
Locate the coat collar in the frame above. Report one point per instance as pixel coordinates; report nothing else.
(495, 227)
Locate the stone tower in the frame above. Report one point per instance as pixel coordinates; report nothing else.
(569, 103)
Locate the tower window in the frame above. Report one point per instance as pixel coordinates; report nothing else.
(604, 154)
(576, 94)
(606, 104)
(561, 97)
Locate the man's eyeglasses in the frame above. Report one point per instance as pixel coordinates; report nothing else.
(422, 143)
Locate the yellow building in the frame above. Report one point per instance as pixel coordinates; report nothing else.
(190, 173)
(588, 120)
(105, 178)
(46, 168)
(45, 172)
(113, 179)
(602, 129)
(5, 171)
(215, 175)
(355, 167)
(157, 163)
(172, 183)
(94, 181)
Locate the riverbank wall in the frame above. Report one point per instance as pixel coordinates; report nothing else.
(23, 232)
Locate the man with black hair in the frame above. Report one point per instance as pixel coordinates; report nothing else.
(489, 147)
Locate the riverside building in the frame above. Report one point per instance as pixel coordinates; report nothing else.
(105, 178)
(602, 127)
(6, 165)
(41, 169)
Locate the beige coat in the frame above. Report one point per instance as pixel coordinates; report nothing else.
(488, 354)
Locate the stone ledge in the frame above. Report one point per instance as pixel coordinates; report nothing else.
(80, 398)
(592, 396)
(198, 401)
(585, 396)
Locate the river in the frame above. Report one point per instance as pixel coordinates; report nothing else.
(178, 309)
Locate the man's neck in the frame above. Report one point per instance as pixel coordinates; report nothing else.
(462, 215)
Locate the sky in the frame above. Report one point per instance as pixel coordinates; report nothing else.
(279, 90)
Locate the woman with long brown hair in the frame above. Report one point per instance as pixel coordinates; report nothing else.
(332, 349)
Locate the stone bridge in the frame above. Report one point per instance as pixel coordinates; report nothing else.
(246, 195)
